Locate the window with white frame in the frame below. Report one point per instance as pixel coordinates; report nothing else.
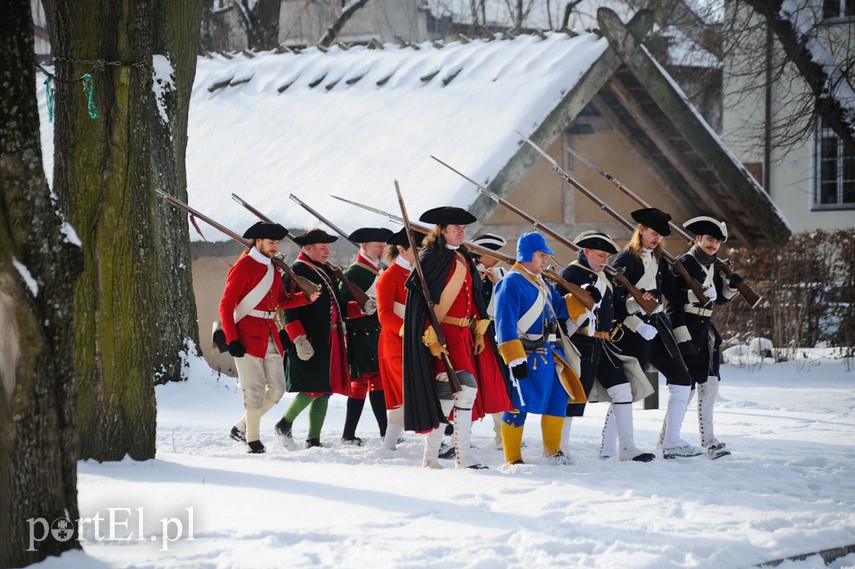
(838, 9)
(835, 171)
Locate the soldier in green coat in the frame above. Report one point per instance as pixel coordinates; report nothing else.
(363, 334)
(315, 346)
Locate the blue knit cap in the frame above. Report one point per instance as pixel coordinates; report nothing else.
(528, 244)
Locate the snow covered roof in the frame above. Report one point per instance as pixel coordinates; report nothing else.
(350, 122)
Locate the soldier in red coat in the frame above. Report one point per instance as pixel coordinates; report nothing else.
(253, 293)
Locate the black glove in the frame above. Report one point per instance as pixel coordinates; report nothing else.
(220, 341)
(236, 349)
(688, 349)
(734, 280)
(594, 292)
(520, 371)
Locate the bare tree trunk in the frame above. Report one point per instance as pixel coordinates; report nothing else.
(103, 177)
(335, 28)
(39, 264)
(176, 44)
(799, 46)
(260, 21)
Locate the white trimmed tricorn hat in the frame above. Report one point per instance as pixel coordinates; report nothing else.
(705, 225)
(596, 240)
(489, 241)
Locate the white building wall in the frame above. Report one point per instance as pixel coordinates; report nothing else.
(301, 24)
(792, 169)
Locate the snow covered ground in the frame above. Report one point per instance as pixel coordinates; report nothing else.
(788, 489)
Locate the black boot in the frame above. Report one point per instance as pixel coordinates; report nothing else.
(255, 447)
(237, 435)
(314, 443)
(351, 419)
(283, 428)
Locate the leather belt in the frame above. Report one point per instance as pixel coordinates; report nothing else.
(601, 334)
(697, 310)
(265, 314)
(462, 322)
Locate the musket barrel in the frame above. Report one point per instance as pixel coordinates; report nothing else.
(453, 381)
(745, 290)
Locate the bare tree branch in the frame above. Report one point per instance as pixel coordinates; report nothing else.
(801, 46)
(335, 28)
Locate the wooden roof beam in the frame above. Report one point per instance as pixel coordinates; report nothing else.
(672, 154)
(553, 125)
(734, 178)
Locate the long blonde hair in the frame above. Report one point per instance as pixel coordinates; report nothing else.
(634, 246)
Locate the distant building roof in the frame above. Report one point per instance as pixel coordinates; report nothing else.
(350, 122)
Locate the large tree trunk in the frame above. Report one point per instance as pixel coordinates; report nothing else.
(38, 267)
(103, 177)
(176, 44)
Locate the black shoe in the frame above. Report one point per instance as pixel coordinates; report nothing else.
(355, 441)
(314, 443)
(255, 447)
(478, 466)
(283, 428)
(446, 451)
(237, 435)
(644, 457)
(518, 461)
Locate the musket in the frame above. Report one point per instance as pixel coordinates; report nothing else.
(358, 294)
(745, 290)
(305, 285)
(453, 382)
(677, 265)
(323, 219)
(483, 251)
(647, 305)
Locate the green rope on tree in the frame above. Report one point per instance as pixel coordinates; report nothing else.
(89, 90)
(50, 94)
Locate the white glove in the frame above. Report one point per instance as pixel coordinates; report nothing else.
(710, 293)
(370, 307)
(646, 331)
(305, 351)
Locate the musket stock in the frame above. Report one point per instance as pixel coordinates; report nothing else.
(745, 290)
(453, 381)
(305, 285)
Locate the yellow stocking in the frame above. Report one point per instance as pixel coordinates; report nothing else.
(551, 427)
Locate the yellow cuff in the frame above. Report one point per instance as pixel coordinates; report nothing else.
(401, 331)
(479, 327)
(575, 308)
(512, 350)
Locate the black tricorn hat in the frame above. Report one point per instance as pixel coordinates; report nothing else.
(313, 236)
(400, 238)
(370, 235)
(655, 219)
(446, 215)
(264, 230)
(705, 225)
(596, 240)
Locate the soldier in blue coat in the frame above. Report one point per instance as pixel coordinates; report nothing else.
(527, 313)
(700, 342)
